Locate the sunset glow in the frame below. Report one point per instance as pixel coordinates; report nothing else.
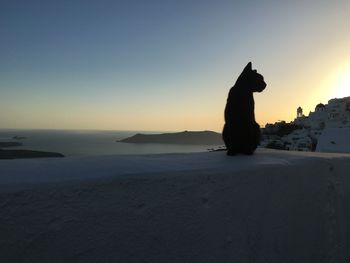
(166, 65)
(343, 87)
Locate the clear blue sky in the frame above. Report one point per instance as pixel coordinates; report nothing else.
(164, 65)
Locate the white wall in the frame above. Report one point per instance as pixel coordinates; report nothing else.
(270, 207)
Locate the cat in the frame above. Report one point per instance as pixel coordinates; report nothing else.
(241, 132)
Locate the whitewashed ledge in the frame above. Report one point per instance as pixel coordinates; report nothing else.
(203, 207)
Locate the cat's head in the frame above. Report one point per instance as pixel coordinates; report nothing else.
(251, 79)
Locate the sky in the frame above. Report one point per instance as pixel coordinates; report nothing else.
(165, 65)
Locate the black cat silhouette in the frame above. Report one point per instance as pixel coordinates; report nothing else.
(241, 133)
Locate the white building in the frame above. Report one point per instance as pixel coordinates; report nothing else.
(335, 114)
(334, 140)
(298, 140)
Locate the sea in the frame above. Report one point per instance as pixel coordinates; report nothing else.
(90, 142)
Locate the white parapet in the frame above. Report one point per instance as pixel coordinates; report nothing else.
(274, 206)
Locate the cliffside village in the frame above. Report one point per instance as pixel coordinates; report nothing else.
(303, 133)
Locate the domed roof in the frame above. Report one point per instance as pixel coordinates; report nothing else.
(319, 106)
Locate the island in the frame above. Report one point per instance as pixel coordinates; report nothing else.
(21, 154)
(185, 137)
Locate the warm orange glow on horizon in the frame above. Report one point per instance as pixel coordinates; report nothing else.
(326, 83)
(343, 86)
(338, 83)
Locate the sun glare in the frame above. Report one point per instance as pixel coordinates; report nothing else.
(341, 82)
(337, 83)
(342, 88)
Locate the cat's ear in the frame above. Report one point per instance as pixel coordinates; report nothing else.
(248, 67)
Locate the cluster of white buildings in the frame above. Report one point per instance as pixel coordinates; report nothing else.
(297, 140)
(334, 115)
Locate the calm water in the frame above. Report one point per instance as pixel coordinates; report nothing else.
(85, 143)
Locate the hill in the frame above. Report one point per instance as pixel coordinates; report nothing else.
(185, 137)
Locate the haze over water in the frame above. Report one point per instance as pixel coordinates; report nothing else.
(89, 142)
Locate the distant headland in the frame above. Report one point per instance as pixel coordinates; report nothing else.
(22, 154)
(185, 137)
